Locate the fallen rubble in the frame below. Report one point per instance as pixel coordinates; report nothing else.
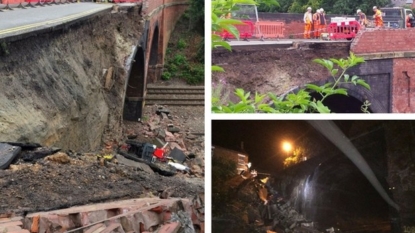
(175, 130)
(133, 215)
(41, 179)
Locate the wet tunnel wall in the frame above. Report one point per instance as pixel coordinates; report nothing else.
(133, 105)
(329, 190)
(136, 84)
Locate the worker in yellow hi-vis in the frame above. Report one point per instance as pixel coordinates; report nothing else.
(378, 17)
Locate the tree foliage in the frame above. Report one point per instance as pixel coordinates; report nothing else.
(346, 7)
(196, 14)
(222, 170)
(298, 155)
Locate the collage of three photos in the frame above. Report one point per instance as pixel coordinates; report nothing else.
(292, 116)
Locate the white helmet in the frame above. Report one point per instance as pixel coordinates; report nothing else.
(318, 10)
(358, 11)
(321, 10)
(375, 7)
(308, 8)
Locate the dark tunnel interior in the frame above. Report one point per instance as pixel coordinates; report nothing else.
(135, 88)
(341, 103)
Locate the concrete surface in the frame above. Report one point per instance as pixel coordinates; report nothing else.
(20, 21)
(281, 42)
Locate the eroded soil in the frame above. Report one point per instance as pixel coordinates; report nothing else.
(47, 185)
(276, 70)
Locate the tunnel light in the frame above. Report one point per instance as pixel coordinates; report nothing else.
(286, 146)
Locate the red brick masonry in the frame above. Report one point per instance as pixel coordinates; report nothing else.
(399, 45)
(374, 40)
(135, 215)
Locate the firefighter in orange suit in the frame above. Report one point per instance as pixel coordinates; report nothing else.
(308, 20)
(323, 22)
(378, 17)
(316, 24)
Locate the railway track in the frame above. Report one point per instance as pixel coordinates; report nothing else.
(177, 95)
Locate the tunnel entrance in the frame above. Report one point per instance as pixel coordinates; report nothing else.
(152, 72)
(133, 104)
(341, 103)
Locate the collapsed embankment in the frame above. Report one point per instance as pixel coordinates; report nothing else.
(52, 85)
(269, 68)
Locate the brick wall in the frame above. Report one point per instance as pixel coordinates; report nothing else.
(384, 40)
(293, 22)
(392, 40)
(378, 74)
(231, 155)
(403, 85)
(165, 19)
(171, 16)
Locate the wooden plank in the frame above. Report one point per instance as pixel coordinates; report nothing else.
(96, 228)
(112, 227)
(11, 223)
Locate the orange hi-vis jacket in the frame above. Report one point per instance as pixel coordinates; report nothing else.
(316, 18)
(378, 18)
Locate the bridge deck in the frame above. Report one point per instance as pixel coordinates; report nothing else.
(283, 43)
(23, 21)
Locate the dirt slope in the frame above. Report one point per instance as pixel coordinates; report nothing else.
(273, 69)
(52, 84)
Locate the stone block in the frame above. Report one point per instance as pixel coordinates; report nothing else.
(142, 166)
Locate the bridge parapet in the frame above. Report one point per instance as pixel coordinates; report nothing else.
(387, 55)
(383, 40)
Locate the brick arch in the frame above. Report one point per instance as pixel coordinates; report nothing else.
(154, 58)
(135, 87)
(160, 17)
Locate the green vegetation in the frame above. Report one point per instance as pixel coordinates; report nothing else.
(4, 48)
(222, 171)
(330, 6)
(185, 52)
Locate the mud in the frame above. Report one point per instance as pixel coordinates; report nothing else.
(48, 185)
(276, 70)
